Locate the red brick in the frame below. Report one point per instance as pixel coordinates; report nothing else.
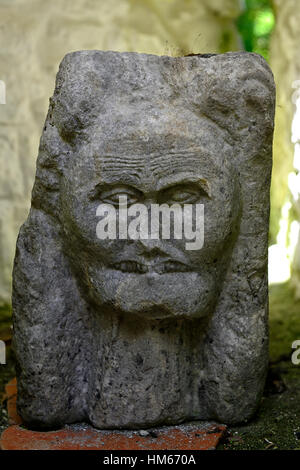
(18, 438)
(195, 436)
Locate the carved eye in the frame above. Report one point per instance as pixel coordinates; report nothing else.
(115, 198)
(112, 195)
(184, 196)
(181, 194)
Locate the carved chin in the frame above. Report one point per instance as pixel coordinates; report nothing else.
(153, 295)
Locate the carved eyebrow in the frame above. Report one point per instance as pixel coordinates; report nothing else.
(178, 179)
(121, 178)
(110, 180)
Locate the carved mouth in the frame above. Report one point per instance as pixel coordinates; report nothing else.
(160, 268)
(130, 267)
(173, 267)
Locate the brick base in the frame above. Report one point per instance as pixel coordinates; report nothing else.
(191, 436)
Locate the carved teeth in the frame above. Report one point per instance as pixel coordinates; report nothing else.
(131, 267)
(134, 267)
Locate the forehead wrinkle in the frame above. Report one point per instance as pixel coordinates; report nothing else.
(129, 166)
(114, 177)
(144, 170)
(162, 158)
(182, 163)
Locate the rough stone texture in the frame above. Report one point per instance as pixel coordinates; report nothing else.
(96, 339)
(34, 37)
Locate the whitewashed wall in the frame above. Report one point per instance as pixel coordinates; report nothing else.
(285, 62)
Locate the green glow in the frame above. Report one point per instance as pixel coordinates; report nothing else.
(264, 23)
(255, 26)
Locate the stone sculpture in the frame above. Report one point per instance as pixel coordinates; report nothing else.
(138, 333)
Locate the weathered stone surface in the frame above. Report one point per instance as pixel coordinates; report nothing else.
(96, 339)
(35, 35)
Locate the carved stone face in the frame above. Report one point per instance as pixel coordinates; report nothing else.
(153, 278)
(187, 130)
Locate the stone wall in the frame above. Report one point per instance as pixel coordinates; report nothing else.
(34, 37)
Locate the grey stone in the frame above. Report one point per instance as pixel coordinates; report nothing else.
(139, 333)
